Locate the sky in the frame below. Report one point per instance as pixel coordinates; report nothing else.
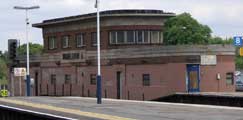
(222, 16)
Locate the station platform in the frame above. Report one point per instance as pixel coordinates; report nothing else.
(80, 108)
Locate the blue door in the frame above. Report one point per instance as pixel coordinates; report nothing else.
(193, 78)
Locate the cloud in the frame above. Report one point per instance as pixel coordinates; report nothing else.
(223, 16)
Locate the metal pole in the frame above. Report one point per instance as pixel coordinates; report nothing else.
(28, 65)
(99, 93)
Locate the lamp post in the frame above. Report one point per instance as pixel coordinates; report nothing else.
(98, 89)
(28, 91)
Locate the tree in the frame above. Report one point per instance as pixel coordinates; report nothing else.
(34, 49)
(3, 71)
(183, 29)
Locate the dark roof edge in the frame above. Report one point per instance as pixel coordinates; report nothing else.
(108, 13)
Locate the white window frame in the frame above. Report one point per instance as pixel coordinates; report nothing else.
(65, 41)
(134, 37)
(82, 44)
(51, 40)
(152, 39)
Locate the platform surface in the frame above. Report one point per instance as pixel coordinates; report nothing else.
(86, 109)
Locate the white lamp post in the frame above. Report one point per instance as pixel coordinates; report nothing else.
(99, 89)
(28, 64)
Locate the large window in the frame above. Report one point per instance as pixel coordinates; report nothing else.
(130, 37)
(65, 41)
(93, 79)
(94, 39)
(80, 40)
(229, 78)
(67, 79)
(146, 79)
(51, 42)
(139, 37)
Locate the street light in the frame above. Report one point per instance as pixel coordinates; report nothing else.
(99, 89)
(28, 64)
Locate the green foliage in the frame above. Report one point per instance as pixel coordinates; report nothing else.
(183, 29)
(3, 71)
(34, 49)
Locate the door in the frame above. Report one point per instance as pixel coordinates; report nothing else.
(193, 78)
(36, 84)
(118, 77)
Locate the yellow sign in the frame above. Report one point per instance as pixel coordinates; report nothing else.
(4, 93)
(241, 51)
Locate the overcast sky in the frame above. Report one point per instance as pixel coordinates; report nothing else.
(223, 16)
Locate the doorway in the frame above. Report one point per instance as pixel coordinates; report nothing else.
(118, 78)
(193, 78)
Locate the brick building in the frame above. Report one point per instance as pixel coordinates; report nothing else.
(135, 63)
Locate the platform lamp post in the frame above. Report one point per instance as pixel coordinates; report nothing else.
(28, 90)
(98, 89)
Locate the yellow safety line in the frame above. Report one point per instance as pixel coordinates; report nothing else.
(65, 110)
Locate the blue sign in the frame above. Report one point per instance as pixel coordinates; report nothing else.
(238, 41)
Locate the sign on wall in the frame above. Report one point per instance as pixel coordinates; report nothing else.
(208, 59)
(19, 72)
(238, 41)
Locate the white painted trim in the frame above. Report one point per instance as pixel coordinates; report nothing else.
(35, 112)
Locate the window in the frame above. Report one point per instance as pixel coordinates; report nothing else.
(53, 79)
(113, 37)
(93, 79)
(51, 43)
(67, 79)
(65, 41)
(130, 36)
(139, 36)
(155, 37)
(229, 78)
(120, 37)
(70, 56)
(146, 80)
(80, 40)
(94, 39)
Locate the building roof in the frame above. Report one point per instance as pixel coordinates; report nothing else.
(108, 13)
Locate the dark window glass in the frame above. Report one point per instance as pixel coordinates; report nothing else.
(67, 79)
(94, 39)
(113, 37)
(140, 36)
(130, 37)
(53, 79)
(120, 37)
(66, 56)
(229, 78)
(93, 79)
(146, 80)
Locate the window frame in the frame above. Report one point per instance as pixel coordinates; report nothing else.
(92, 41)
(231, 79)
(82, 40)
(93, 79)
(67, 79)
(67, 41)
(52, 40)
(146, 82)
(53, 78)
